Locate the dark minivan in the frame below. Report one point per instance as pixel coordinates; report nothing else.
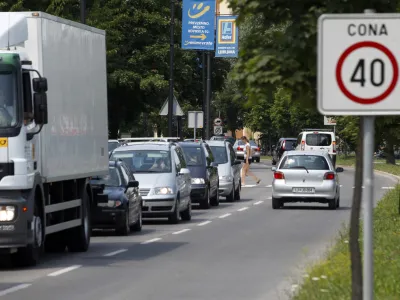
(284, 144)
(204, 173)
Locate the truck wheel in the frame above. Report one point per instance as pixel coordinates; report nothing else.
(78, 239)
(55, 243)
(30, 255)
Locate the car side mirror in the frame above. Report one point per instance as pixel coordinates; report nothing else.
(339, 170)
(273, 169)
(40, 104)
(133, 184)
(39, 84)
(184, 171)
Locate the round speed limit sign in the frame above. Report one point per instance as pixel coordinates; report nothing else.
(373, 72)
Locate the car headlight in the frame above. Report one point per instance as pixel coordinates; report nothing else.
(226, 178)
(7, 213)
(163, 191)
(114, 203)
(198, 181)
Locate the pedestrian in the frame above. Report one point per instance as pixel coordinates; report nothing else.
(246, 165)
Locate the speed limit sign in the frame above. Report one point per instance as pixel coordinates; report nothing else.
(358, 64)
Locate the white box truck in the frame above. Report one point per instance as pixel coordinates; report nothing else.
(53, 133)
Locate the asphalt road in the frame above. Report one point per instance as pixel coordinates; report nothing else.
(241, 250)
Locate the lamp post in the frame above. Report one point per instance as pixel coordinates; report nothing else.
(83, 13)
(171, 69)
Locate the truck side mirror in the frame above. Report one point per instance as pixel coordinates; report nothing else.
(39, 84)
(40, 104)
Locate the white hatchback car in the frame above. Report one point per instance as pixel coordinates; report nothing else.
(306, 176)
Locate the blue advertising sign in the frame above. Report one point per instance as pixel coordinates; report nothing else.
(198, 22)
(227, 37)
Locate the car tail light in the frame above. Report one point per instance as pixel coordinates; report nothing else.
(303, 145)
(329, 176)
(258, 149)
(279, 175)
(283, 145)
(334, 146)
(239, 148)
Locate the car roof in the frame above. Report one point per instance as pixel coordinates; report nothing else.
(217, 143)
(190, 144)
(310, 152)
(145, 146)
(113, 141)
(288, 138)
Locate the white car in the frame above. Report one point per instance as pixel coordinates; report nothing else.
(306, 176)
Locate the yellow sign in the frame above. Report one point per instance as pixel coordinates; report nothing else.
(199, 11)
(202, 36)
(3, 142)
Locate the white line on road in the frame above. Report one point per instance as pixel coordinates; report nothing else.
(363, 187)
(388, 188)
(115, 252)
(151, 241)
(341, 185)
(243, 208)
(181, 231)
(224, 216)
(258, 202)
(269, 198)
(204, 223)
(269, 186)
(15, 288)
(249, 185)
(65, 270)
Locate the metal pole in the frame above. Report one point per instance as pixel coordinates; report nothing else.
(203, 106)
(83, 11)
(208, 95)
(171, 69)
(195, 123)
(368, 183)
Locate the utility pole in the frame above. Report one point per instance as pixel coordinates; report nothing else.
(203, 63)
(83, 11)
(171, 70)
(208, 99)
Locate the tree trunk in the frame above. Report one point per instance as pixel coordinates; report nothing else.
(354, 245)
(389, 151)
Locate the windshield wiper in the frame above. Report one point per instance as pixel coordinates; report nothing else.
(300, 167)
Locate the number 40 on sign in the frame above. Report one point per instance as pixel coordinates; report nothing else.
(358, 67)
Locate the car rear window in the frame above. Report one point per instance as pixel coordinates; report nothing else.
(318, 139)
(310, 162)
(289, 144)
(220, 155)
(193, 156)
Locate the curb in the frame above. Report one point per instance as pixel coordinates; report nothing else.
(377, 171)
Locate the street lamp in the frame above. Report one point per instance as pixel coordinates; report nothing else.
(171, 69)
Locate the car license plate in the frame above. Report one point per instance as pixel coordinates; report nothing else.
(303, 190)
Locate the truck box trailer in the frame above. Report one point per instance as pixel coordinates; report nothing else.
(53, 132)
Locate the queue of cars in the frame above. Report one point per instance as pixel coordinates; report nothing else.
(163, 179)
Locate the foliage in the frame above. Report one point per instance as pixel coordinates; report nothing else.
(330, 278)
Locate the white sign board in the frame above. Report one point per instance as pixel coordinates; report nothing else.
(218, 130)
(217, 122)
(358, 71)
(329, 121)
(195, 119)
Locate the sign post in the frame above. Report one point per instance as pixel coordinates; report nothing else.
(358, 75)
(195, 120)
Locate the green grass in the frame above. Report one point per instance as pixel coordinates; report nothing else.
(266, 157)
(379, 164)
(330, 279)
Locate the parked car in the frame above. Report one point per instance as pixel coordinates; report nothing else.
(229, 139)
(284, 144)
(112, 144)
(165, 181)
(204, 172)
(119, 204)
(306, 176)
(228, 169)
(257, 151)
(318, 139)
(239, 149)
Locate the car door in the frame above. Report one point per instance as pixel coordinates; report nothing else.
(129, 193)
(213, 170)
(186, 177)
(135, 197)
(180, 179)
(235, 168)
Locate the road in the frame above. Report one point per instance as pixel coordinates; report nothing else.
(240, 250)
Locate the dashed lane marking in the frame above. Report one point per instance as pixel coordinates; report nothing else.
(258, 202)
(151, 241)
(15, 288)
(224, 216)
(65, 270)
(204, 223)
(243, 208)
(115, 252)
(181, 231)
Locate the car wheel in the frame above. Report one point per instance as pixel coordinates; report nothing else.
(258, 160)
(186, 215)
(276, 203)
(215, 200)
(273, 162)
(125, 229)
(237, 192)
(332, 204)
(139, 223)
(174, 217)
(205, 203)
(231, 196)
(338, 203)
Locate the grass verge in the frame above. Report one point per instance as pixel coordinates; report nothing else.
(379, 164)
(330, 279)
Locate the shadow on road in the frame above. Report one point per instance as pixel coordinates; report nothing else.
(293, 207)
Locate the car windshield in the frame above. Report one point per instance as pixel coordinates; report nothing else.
(318, 139)
(310, 162)
(8, 99)
(193, 156)
(145, 161)
(220, 155)
(112, 146)
(113, 178)
(253, 143)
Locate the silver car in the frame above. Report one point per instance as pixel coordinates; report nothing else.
(305, 176)
(164, 180)
(239, 149)
(228, 169)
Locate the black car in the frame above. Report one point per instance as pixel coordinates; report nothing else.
(284, 144)
(119, 204)
(204, 173)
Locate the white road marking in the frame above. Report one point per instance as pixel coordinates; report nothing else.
(65, 270)
(269, 186)
(224, 216)
(388, 188)
(249, 185)
(115, 252)
(181, 231)
(15, 288)
(269, 198)
(258, 202)
(204, 223)
(243, 208)
(151, 241)
(341, 185)
(363, 187)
